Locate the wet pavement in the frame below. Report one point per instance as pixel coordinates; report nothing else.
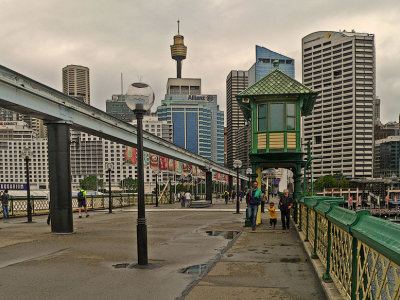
(264, 264)
(193, 254)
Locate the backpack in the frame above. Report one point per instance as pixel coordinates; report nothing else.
(80, 196)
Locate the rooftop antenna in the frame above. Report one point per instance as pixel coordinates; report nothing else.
(122, 84)
(178, 26)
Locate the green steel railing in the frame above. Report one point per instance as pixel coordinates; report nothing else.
(360, 253)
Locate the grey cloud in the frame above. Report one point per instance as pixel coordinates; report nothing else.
(39, 37)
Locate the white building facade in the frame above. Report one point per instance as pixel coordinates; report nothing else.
(14, 137)
(341, 67)
(89, 156)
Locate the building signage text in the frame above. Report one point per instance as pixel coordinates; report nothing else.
(209, 98)
(12, 186)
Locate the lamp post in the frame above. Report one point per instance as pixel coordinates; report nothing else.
(249, 171)
(237, 164)
(109, 166)
(140, 98)
(27, 154)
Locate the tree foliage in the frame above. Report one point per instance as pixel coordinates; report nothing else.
(331, 181)
(130, 184)
(92, 183)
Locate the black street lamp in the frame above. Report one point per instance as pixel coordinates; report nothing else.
(140, 98)
(237, 164)
(110, 166)
(27, 154)
(249, 171)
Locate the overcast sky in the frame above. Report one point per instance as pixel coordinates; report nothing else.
(38, 38)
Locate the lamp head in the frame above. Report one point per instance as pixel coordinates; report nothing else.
(237, 164)
(249, 171)
(26, 153)
(139, 97)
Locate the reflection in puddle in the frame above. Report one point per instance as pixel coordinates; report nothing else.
(120, 266)
(229, 235)
(196, 269)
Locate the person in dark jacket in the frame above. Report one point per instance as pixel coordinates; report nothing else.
(253, 200)
(4, 202)
(285, 205)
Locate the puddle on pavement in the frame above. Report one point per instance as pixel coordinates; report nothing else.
(195, 270)
(121, 266)
(293, 260)
(229, 235)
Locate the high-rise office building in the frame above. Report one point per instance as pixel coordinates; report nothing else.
(117, 108)
(263, 65)
(243, 138)
(236, 81)
(198, 124)
(341, 67)
(76, 82)
(8, 115)
(387, 157)
(14, 137)
(35, 124)
(377, 109)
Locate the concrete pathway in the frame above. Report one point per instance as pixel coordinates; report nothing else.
(264, 264)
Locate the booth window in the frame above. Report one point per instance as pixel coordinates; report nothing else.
(262, 117)
(290, 116)
(276, 116)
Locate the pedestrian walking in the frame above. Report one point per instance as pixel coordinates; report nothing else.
(285, 204)
(182, 197)
(226, 196)
(272, 215)
(233, 196)
(253, 200)
(188, 198)
(241, 195)
(4, 203)
(82, 202)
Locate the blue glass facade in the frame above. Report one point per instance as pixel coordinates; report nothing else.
(192, 131)
(198, 124)
(263, 65)
(179, 128)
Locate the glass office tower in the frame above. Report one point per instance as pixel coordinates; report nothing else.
(198, 124)
(263, 65)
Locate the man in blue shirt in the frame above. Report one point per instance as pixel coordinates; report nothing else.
(253, 199)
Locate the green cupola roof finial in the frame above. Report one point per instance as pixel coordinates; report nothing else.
(276, 64)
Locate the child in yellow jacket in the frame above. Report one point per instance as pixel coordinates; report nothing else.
(272, 215)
